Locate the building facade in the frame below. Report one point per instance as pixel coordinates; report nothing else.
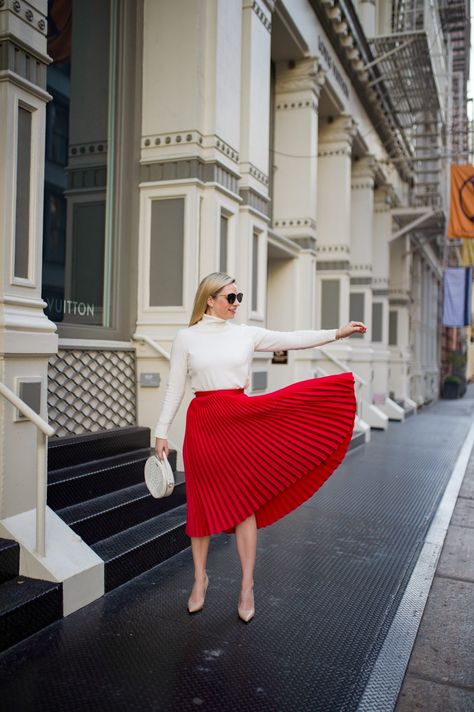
(300, 145)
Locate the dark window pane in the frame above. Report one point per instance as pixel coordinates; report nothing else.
(166, 252)
(356, 310)
(223, 244)
(22, 213)
(330, 290)
(393, 328)
(377, 312)
(255, 272)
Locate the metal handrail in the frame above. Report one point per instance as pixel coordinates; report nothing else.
(152, 343)
(43, 431)
(342, 366)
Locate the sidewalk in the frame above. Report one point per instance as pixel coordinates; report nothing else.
(329, 581)
(440, 675)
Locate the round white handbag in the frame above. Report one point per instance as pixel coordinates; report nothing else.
(159, 476)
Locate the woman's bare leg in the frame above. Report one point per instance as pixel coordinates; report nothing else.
(199, 547)
(246, 542)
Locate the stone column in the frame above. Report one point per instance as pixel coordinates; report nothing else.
(382, 228)
(297, 89)
(399, 318)
(27, 337)
(254, 157)
(362, 208)
(334, 225)
(189, 166)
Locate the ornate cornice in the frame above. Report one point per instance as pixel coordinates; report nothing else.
(336, 136)
(305, 75)
(254, 200)
(23, 62)
(295, 222)
(30, 15)
(339, 265)
(188, 169)
(334, 248)
(260, 12)
(179, 139)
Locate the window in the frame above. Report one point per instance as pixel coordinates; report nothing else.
(223, 243)
(78, 225)
(255, 267)
(22, 213)
(167, 252)
(393, 328)
(377, 321)
(356, 310)
(330, 298)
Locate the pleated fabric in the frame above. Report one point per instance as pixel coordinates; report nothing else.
(265, 454)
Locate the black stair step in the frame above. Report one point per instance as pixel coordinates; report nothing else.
(70, 486)
(138, 549)
(63, 452)
(9, 559)
(110, 514)
(26, 606)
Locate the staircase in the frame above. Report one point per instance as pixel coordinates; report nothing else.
(96, 485)
(26, 605)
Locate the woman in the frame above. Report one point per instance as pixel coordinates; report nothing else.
(248, 460)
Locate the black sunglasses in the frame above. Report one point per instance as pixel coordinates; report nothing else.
(232, 297)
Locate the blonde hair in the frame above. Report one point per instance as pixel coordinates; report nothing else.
(209, 287)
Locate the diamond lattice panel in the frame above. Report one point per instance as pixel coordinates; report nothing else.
(91, 390)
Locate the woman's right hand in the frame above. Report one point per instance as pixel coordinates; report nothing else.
(161, 446)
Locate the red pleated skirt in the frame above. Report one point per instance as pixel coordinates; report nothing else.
(263, 454)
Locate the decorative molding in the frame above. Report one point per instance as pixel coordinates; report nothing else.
(192, 137)
(14, 58)
(346, 151)
(341, 130)
(399, 302)
(87, 178)
(256, 201)
(88, 149)
(369, 185)
(190, 168)
(335, 248)
(26, 13)
(257, 174)
(266, 22)
(301, 76)
(361, 267)
(306, 243)
(295, 222)
(361, 281)
(323, 265)
(380, 292)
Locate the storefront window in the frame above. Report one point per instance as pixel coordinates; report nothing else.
(77, 241)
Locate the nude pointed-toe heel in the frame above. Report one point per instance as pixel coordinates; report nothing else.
(246, 614)
(195, 606)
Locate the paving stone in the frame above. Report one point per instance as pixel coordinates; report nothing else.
(421, 695)
(463, 515)
(444, 647)
(457, 556)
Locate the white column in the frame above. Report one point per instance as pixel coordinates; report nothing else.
(399, 305)
(362, 208)
(27, 337)
(190, 150)
(334, 226)
(297, 89)
(382, 226)
(254, 158)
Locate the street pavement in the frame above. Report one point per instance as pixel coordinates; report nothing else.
(329, 582)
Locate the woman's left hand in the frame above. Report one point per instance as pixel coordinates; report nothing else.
(353, 327)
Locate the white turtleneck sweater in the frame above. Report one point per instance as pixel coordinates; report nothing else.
(217, 354)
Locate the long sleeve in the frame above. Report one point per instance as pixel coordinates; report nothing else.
(175, 387)
(266, 340)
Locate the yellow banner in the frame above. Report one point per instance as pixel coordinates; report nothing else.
(467, 259)
(461, 213)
